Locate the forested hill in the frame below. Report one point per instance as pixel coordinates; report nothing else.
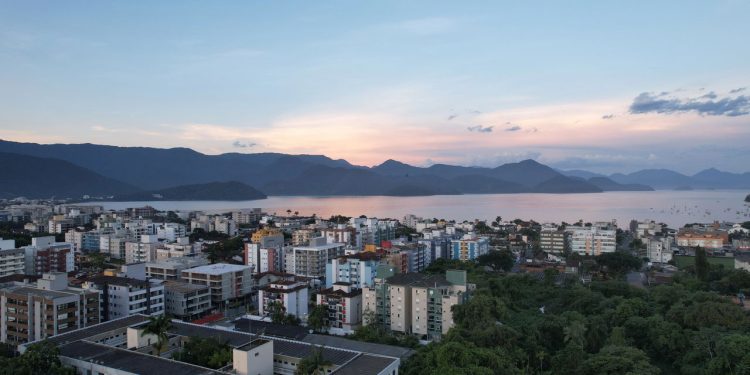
(547, 324)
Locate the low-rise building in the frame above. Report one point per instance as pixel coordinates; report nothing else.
(708, 239)
(658, 249)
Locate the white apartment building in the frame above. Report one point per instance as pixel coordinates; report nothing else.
(311, 260)
(228, 282)
(263, 259)
(12, 261)
(125, 296)
(594, 240)
(293, 295)
(143, 250)
(658, 249)
(343, 308)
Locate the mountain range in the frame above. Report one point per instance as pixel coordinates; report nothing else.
(142, 172)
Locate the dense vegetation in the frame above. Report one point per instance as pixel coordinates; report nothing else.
(206, 352)
(39, 358)
(518, 324)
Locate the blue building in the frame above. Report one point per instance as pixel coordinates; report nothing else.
(469, 248)
(359, 270)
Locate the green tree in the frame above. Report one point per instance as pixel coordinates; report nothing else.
(317, 317)
(158, 326)
(618, 360)
(313, 364)
(498, 260)
(41, 358)
(207, 352)
(701, 264)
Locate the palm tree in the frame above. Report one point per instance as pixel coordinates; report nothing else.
(314, 363)
(158, 326)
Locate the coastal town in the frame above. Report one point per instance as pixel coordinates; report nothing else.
(138, 289)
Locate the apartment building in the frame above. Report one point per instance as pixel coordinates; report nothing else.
(658, 249)
(469, 247)
(268, 238)
(343, 305)
(358, 270)
(263, 259)
(171, 269)
(311, 260)
(342, 234)
(12, 261)
(552, 240)
(126, 296)
(186, 301)
(415, 303)
(32, 312)
(45, 255)
(143, 250)
(301, 237)
(593, 240)
(292, 294)
(247, 216)
(227, 282)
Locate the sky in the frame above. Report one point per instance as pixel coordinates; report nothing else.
(601, 86)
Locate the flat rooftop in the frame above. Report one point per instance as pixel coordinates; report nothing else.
(365, 364)
(130, 361)
(96, 329)
(183, 287)
(217, 269)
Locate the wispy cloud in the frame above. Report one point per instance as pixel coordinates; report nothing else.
(480, 129)
(239, 144)
(608, 117)
(737, 90)
(708, 104)
(513, 128)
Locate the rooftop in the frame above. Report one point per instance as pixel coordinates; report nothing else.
(217, 269)
(116, 280)
(96, 329)
(130, 361)
(418, 280)
(183, 287)
(365, 363)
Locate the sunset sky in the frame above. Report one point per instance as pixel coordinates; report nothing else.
(577, 85)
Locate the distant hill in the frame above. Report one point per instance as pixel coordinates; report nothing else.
(35, 177)
(668, 179)
(607, 184)
(151, 169)
(213, 191)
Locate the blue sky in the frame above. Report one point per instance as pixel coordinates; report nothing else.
(592, 85)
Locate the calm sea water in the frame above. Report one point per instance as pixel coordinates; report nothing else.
(672, 207)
